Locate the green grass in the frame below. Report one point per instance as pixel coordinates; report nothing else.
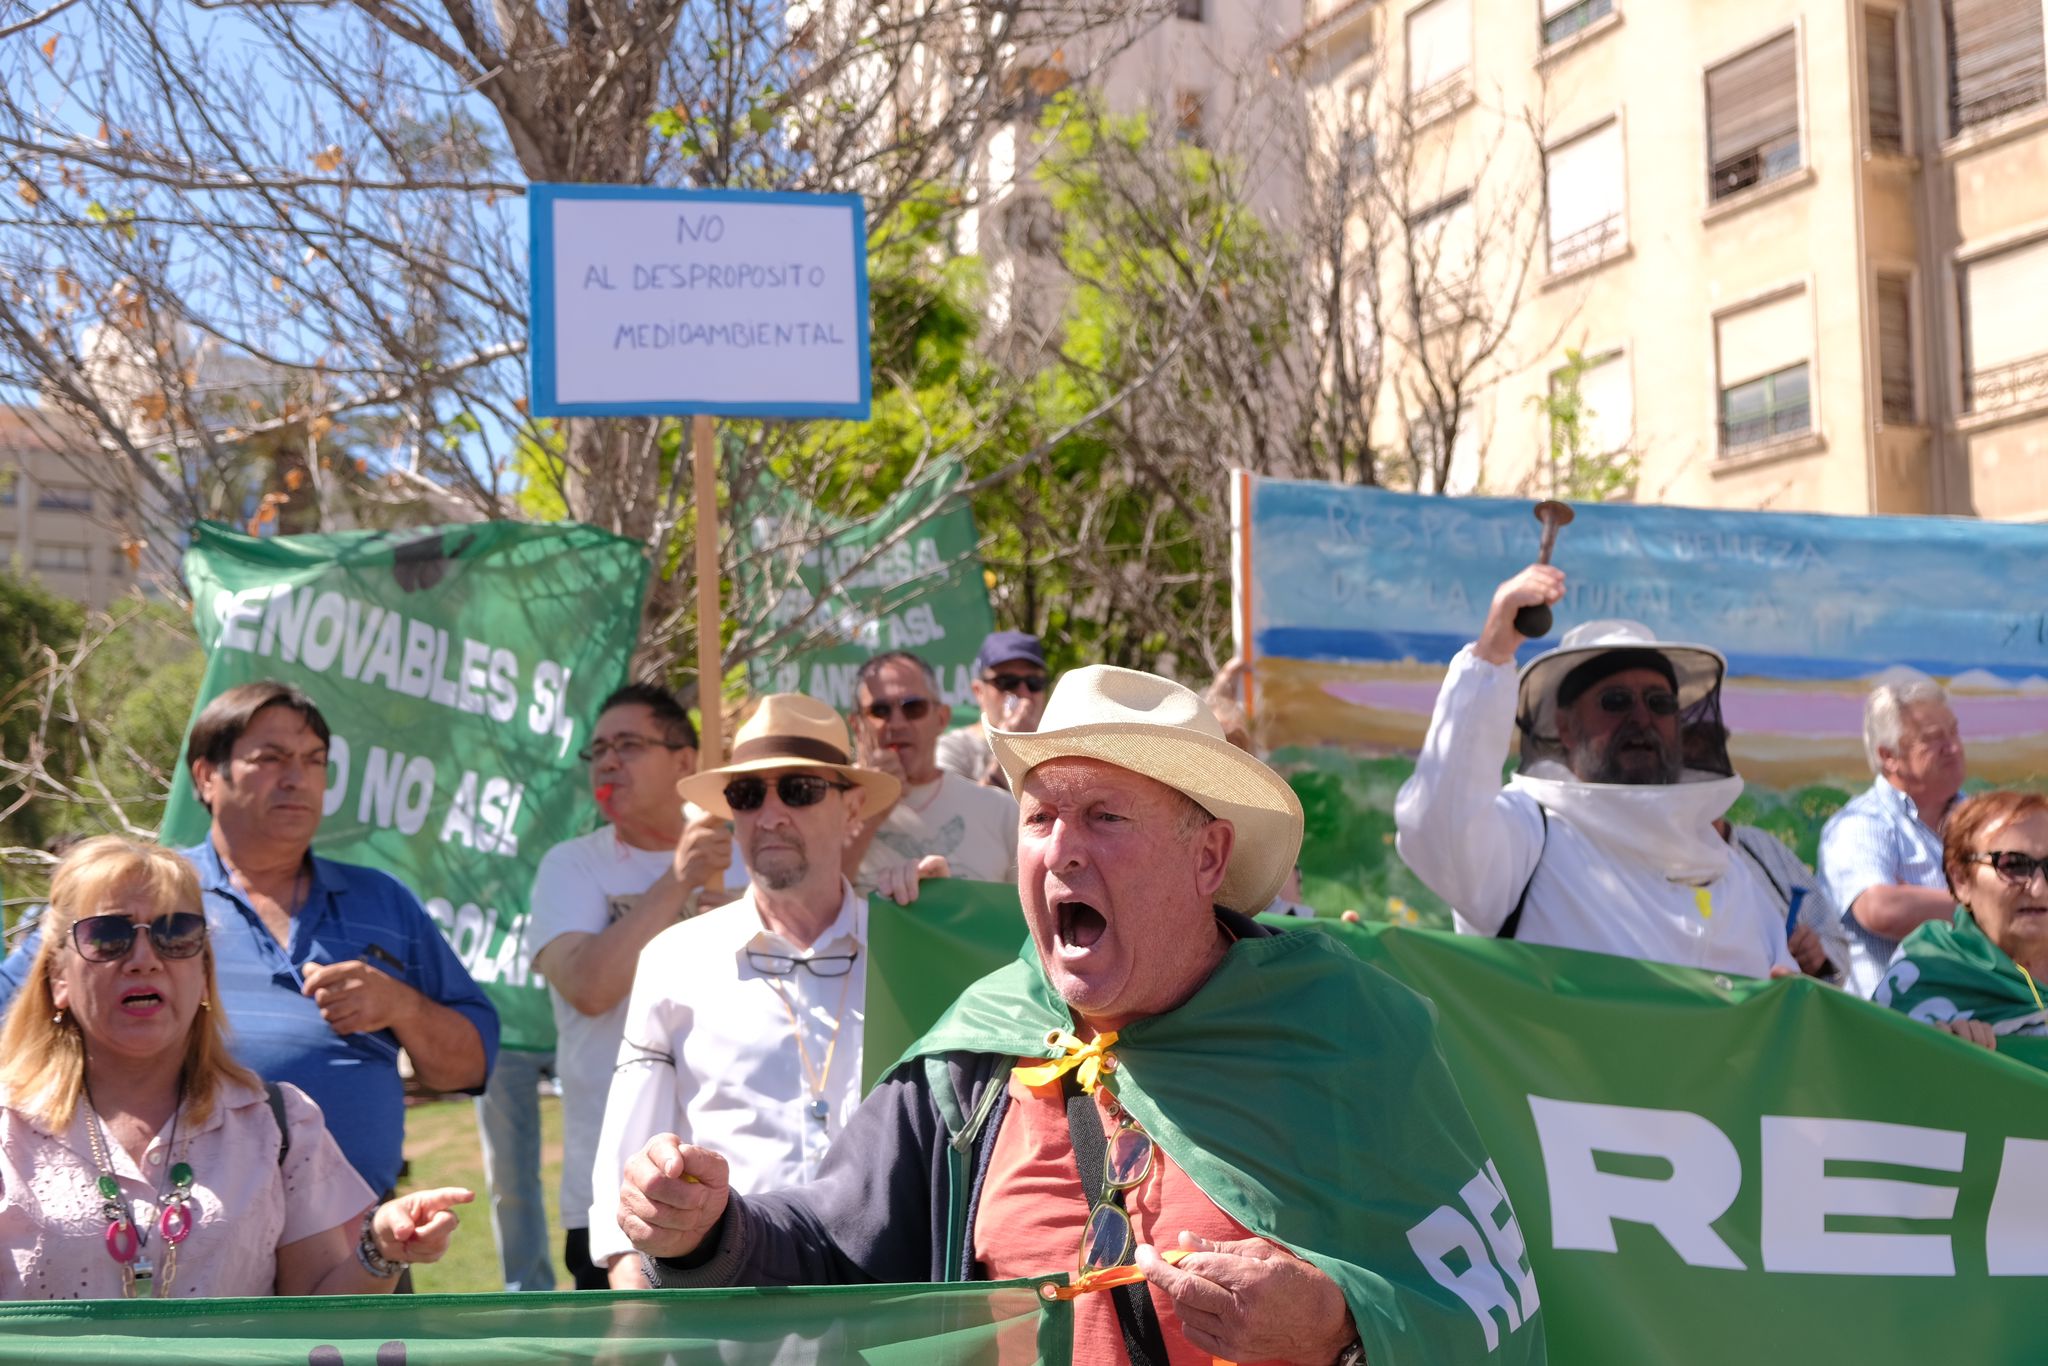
(441, 1145)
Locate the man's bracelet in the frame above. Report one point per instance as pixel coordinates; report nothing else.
(691, 904)
(367, 1255)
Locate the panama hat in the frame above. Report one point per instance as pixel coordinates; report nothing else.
(788, 730)
(1157, 728)
(1695, 670)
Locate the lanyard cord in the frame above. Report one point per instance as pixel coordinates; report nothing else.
(815, 1078)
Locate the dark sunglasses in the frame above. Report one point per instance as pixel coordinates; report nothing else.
(2013, 866)
(795, 789)
(914, 708)
(1621, 701)
(1032, 683)
(108, 938)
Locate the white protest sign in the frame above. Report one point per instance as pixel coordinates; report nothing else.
(740, 303)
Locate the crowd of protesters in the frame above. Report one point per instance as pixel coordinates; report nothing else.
(179, 1020)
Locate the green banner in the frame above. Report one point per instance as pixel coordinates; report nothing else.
(1004, 1323)
(908, 578)
(458, 668)
(1708, 1169)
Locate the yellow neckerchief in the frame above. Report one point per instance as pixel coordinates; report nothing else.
(2030, 985)
(1084, 1060)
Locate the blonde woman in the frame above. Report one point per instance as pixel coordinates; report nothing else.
(137, 1158)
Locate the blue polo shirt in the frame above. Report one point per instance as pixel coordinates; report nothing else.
(278, 1033)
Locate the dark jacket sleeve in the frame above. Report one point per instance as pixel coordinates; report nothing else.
(876, 1213)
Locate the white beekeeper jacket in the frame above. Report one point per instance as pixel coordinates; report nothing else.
(1635, 871)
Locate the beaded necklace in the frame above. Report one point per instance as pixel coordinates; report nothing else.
(125, 1240)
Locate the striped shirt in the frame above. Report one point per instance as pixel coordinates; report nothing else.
(1877, 840)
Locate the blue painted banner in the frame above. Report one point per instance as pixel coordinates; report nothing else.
(1350, 601)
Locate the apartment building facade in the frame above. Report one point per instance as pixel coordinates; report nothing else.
(1201, 69)
(57, 525)
(1801, 248)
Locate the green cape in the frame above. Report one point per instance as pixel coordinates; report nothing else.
(1950, 970)
(1304, 1093)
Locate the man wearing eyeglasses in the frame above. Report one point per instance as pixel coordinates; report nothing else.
(1009, 686)
(1605, 838)
(743, 1026)
(598, 900)
(1134, 1104)
(942, 824)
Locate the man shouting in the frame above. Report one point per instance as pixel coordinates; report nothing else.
(1240, 1143)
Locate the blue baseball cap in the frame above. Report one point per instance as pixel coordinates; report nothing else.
(1003, 646)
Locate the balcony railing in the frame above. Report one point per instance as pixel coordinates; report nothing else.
(1742, 433)
(2009, 385)
(1587, 245)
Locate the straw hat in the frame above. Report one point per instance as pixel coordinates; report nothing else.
(1696, 669)
(788, 730)
(1157, 728)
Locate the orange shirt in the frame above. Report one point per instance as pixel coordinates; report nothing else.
(1032, 1212)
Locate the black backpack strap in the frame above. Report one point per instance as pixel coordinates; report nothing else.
(1513, 923)
(1143, 1342)
(284, 1133)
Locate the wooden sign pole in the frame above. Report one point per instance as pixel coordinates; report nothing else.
(710, 672)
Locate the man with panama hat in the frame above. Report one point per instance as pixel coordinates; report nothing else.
(1605, 838)
(1239, 1143)
(743, 1026)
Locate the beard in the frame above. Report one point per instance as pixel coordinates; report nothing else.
(1631, 755)
(779, 866)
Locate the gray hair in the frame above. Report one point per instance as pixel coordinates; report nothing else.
(1884, 710)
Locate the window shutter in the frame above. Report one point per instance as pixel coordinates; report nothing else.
(2005, 294)
(1995, 59)
(1584, 190)
(1765, 339)
(1881, 80)
(1439, 43)
(1605, 393)
(1753, 101)
(1895, 348)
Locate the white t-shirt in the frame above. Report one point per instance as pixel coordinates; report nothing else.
(974, 827)
(583, 885)
(966, 752)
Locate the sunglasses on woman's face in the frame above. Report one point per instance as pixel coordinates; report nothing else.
(108, 938)
(795, 789)
(2013, 866)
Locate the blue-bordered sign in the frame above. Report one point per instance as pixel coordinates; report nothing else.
(742, 303)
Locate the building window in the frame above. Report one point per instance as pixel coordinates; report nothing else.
(1753, 118)
(1763, 354)
(1996, 62)
(1187, 115)
(63, 558)
(10, 484)
(1583, 188)
(63, 498)
(1440, 240)
(1760, 411)
(1190, 10)
(1895, 350)
(1607, 408)
(1439, 53)
(1883, 82)
(2005, 360)
(1563, 18)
